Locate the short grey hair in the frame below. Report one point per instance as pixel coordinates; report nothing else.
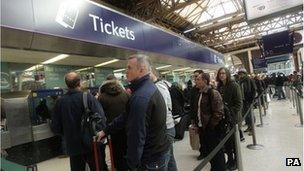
(142, 60)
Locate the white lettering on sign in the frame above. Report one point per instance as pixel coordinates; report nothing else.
(111, 28)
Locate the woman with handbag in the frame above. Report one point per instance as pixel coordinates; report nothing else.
(231, 94)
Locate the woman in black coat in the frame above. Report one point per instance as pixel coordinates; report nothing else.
(231, 94)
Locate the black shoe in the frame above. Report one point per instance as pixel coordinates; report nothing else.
(242, 139)
(250, 133)
(200, 157)
(248, 129)
(232, 166)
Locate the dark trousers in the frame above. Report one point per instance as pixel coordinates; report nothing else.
(78, 162)
(209, 139)
(201, 138)
(230, 150)
(248, 117)
(119, 142)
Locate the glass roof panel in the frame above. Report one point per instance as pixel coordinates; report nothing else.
(214, 10)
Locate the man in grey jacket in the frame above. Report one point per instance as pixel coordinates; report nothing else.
(163, 88)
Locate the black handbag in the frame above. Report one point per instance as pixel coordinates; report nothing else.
(90, 123)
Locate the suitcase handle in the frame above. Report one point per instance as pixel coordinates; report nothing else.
(111, 153)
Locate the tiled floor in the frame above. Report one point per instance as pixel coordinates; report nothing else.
(280, 138)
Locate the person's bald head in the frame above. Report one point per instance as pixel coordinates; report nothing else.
(72, 80)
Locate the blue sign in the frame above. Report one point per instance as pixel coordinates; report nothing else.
(277, 43)
(259, 63)
(91, 22)
(279, 58)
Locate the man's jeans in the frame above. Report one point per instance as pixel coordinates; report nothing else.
(172, 163)
(161, 164)
(281, 93)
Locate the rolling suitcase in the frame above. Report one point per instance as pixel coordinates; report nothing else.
(111, 154)
(96, 155)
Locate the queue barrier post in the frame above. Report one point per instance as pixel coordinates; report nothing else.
(238, 148)
(295, 101)
(260, 113)
(299, 107)
(254, 146)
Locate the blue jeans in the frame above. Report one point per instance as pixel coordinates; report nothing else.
(172, 164)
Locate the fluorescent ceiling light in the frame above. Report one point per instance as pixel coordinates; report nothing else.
(83, 69)
(119, 70)
(228, 18)
(187, 31)
(181, 69)
(191, 70)
(56, 58)
(167, 72)
(205, 25)
(35, 67)
(107, 63)
(162, 67)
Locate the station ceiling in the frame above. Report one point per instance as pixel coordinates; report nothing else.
(219, 24)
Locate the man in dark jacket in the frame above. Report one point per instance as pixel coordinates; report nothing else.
(66, 121)
(248, 89)
(145, 120)
(279, 85)
(210, 113)
(194, 94)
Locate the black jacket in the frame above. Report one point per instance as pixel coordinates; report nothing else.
(280, 80)
(259, 85)
(178, 100)
(145, 122)
(194, 95)
(248, 89)
(231, 94)
(66, 120)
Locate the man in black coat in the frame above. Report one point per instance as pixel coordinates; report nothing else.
(248, 89)
(144, 120)
(66, 121)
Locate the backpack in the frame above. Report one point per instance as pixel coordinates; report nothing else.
(90, 123)
(226, 124)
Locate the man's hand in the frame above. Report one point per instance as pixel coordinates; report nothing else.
(100, 136)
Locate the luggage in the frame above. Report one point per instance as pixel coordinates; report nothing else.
(111, 153)
(96, 155)
(181, 127)
(194, 137)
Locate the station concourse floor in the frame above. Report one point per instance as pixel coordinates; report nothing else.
(280, 138)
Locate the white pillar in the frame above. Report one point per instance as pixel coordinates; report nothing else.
(250, 63)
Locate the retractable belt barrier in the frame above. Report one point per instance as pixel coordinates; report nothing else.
(225, 139)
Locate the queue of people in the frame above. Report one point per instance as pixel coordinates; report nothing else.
(140, 118)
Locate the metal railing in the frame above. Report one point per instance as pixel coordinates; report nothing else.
(235, 130)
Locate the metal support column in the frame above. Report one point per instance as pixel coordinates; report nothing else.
(254, 146)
